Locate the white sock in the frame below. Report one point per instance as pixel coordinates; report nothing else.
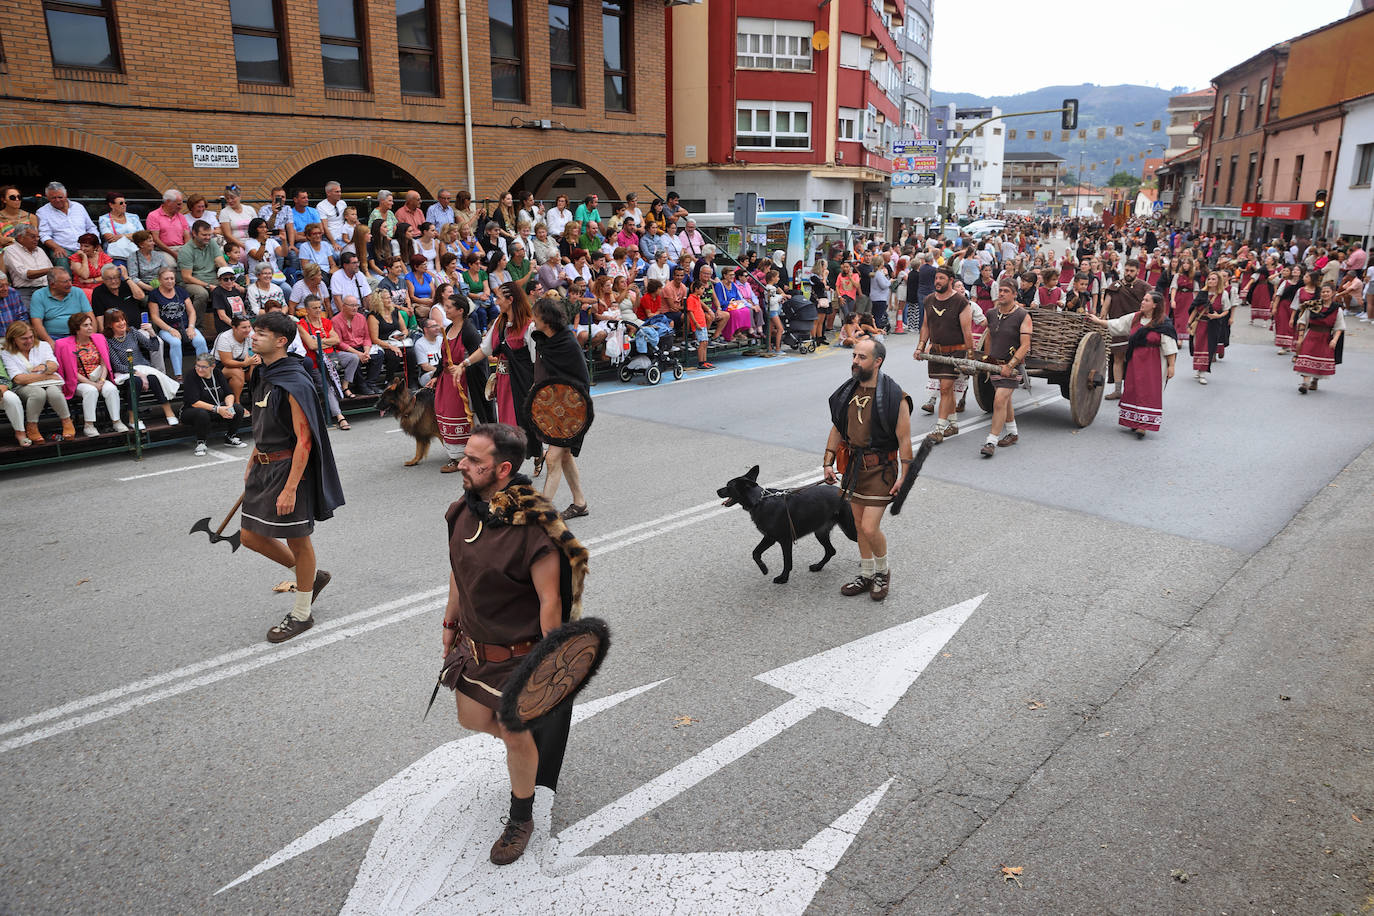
(291, 573)
(866, 566)
(992, 438)
(301, 610)
(941, 423)
(880, 564)
(1010, 428)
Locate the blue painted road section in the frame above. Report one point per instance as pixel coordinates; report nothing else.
(728, 365)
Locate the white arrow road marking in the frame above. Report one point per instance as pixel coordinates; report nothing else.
(450, 776)
(863, 679)
(429, 854)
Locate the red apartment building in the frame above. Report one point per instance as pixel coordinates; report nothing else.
(797, 102)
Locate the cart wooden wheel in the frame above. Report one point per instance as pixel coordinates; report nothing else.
(1087, 379)
(981, 383)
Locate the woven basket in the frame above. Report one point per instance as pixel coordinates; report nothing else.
(1055, 335)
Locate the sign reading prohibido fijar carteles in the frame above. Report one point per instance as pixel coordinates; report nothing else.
(215, 155)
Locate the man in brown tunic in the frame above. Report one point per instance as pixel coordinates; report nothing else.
(1124, 299)
(503, 597)
(947, 331)
(1007, 343)
(870, 439)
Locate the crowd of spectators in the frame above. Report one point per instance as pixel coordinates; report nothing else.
(371, 291)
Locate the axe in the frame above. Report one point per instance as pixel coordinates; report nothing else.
(215, 536)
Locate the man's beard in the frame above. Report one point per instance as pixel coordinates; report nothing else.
(863, 375)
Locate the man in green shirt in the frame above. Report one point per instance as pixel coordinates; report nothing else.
(198, 263)
(519, 265)
(588, 209)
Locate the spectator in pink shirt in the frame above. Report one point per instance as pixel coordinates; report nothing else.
(167, 224)
(355, 337)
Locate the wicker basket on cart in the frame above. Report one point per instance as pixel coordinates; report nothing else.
(1070, 352)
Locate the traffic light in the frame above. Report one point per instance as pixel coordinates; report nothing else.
(1320, 203)
(1068, 118)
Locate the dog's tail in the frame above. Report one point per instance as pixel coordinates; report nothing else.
(912, 471)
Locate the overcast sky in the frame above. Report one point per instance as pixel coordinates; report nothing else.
(1003, 47)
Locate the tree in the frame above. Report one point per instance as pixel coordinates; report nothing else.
(1124, 180)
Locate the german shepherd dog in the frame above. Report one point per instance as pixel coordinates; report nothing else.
(783, 516)
(415, 413)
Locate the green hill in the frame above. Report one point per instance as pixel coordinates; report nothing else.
(1098, 106)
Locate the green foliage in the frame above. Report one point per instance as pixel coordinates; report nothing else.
(1124, 180)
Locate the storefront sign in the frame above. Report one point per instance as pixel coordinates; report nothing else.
(215, 155)
(1294, 211)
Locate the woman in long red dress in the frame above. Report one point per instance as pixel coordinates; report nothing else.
(453, 391)
(1151, 351)
(1321, 325)
(1284, 294)
(1259, 292)
(1210, 309)
(1067, 268)
(1181, 291)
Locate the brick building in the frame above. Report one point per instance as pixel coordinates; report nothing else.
(1247, 97)
(800, 104)
(563, 95)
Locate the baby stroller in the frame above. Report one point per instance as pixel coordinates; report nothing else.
(798, 318)
(652, 352)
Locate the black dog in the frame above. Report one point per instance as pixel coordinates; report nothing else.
(783, 516)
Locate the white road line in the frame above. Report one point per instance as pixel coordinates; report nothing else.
(107, 712)
(250, 658)
(240, 661)
(158, 680)
(188, 467)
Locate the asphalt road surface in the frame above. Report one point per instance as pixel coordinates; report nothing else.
(1112, 676)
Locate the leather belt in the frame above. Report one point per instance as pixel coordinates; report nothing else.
(268, 457)
(488, 652)
(936, 348)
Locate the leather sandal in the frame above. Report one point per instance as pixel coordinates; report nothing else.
(574, 511)
(449, 467)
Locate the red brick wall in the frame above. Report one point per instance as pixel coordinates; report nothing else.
(146, 118)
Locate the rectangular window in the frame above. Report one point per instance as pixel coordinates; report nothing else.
(1326, 169)
(82, 34)
(616, 29)
(1364, 165)
(1231, 180)
(849, 124)
(1225, 113)
(1216, 180)
(1263, 99)
(773, 44)
(1274, 181)
(342, 44)
(507, 62)
(1250, 187)
(259, 45)
(565, 47)
(1297, 177)
(415, 47)
(773, 125)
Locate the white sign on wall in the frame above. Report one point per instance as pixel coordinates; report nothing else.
(215, 155)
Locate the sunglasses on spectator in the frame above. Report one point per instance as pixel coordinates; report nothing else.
(13, 197)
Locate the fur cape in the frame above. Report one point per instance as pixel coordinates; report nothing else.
(521, 504)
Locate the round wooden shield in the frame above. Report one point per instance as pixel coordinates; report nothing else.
(552, 674)
(560, 411)
(1087, 378)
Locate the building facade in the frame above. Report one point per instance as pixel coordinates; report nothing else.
(1184, 112)
(1247, 97)
(549, 95)
(914, 41)
(975, 168)
(1350, 214)
(796, 102)
(1030, 182)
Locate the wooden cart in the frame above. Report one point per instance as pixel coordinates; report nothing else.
(1070, 352)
